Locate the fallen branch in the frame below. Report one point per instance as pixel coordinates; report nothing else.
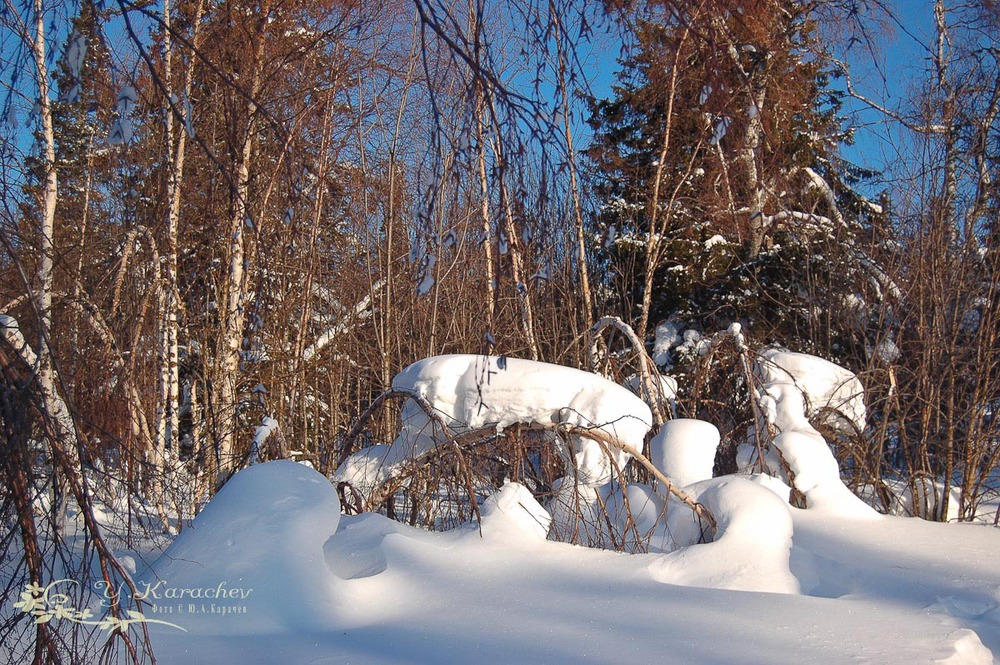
(608, 441)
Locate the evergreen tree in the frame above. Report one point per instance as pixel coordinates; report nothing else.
(715, 161)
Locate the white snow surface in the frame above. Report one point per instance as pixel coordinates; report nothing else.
(472, 391)
(752, 542)
(664, 388)
(684, 450)
(810, 586)
(263, 533)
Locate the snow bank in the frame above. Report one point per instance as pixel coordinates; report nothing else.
(896, 591)
(470, 392)
(255, 552)
(369, 467)
(752, 543)
(458, 598)
(969, 649)
(630, 519)
(577, 516)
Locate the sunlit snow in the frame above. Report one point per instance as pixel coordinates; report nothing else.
(292, 580)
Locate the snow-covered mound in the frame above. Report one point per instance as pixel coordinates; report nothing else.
(899, 592)
(256, 552)
(752, 543)
(512, 514)
(826, 386)
(788, 381)
(470, 392)
(684, 450)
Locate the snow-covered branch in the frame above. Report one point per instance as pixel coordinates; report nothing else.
(651, 393)
(818, 182)
(358, 312)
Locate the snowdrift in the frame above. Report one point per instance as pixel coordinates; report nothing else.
(368, 589)
(261, 538)
(770, 584)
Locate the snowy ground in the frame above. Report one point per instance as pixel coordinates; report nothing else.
(329, 589)
(270, 571)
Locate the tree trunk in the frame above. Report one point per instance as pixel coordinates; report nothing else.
(168, 393)
(234, 315)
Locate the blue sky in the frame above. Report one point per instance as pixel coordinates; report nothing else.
(887, 76)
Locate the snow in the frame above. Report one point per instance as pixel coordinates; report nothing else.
(824, 384)
(684, 450)
(673, 337)
(270, 571)
(715, 240)
(720, 129)
(794, 386)
(886, 351)
(262, 538)
(668, 335)
(752, 544)
(470, 392)
(427, 279)
(665, 387)
(778, 585)
(512, 515)
(706, 91)
(918, 496)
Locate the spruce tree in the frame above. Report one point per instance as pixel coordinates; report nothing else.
(722, 197)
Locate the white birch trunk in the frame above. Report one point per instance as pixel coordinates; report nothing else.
(168, 405)
(55, 407)
(234, 321)
(484, 211)
(43, 276)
